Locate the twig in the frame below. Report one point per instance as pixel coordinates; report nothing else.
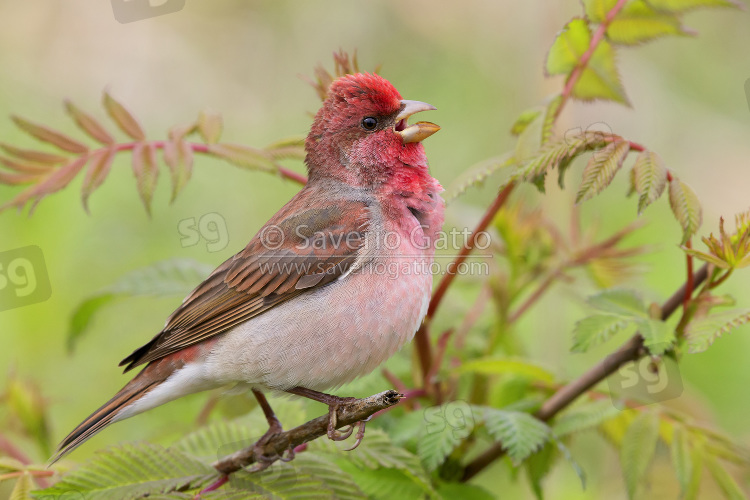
(347, 414)
(630, 351)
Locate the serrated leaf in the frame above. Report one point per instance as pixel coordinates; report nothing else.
(685, 5)
(22, 488)
(89, 124)
(601, 169)
(146, 171)
(657, 335)
(596, 329)
(649, 178)
(478, 174)
(434, 447)
(600, 79)
(558, 154)
(210, 126)
(638, 447)
(596, 10)
(571, 43)
(384, 484)
(726, 482)
(24, 167)
(123, 118)
(170, 277)
(638, 22)
(538, 466)
(682, 461)
(550, 114)
(524, 119)
(243, 156)
(707, 257)
(131, 471)
(519, 433)
(32, 155)
(701, 333)
(686, 208)
(584, 417)
(289, 148)
(99, 167)
(179, 159)
(55, 181)
(619, 301)
(529, 140)
(565, 452)
(46, 134)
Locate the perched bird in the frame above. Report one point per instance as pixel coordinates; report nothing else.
(332, 286)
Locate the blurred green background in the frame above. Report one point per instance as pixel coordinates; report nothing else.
(479, 62)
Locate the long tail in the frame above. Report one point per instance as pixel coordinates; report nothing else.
(147, 380)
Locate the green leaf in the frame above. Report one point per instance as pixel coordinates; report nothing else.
(210, 126)
(596, 10)
(620, 301)
(596, 329)
(550, 114)
(441, 435)
(454, 491)
(600, 79)
(584, 417)
(131, 471)
(22, 488)
(383, 484)
(524, 119)
(538, 466)
(638, 22)
(657, 335)
(649, 178)
(478, 174)
(571, 43)
(170, 277)
(686, 208)
(601, 169)
(685, 5)
(123, 118)
(506, 366)
(559, 153)
(565, 452)
(638, 447)
(702, 332)
(682, 460)
(726, 482)
(519, 433)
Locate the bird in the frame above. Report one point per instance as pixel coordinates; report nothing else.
(334, 284)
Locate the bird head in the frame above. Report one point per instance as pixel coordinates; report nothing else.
(361, 135)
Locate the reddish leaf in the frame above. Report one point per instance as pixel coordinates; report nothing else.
(146, 172)
(101, 162)
(31, 155)
(58, 179)
(26, 168)
(18, 179)
(123, 118)
(179, 158)
(89, 124)
(53, 137)
(210, 126)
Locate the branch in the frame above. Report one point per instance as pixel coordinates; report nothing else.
(347, 414)
(632, 350)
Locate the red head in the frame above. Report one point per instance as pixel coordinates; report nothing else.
(360, 134)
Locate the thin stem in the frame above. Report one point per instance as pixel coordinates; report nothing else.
(689, 282)
(630, 351)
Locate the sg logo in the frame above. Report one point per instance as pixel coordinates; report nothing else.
(212, 227)
(127, 11)
(645, 382)
(455, 417)
(23, 278)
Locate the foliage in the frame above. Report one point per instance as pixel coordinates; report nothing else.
(477, 392)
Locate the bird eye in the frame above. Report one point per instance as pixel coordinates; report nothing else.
(369, 123)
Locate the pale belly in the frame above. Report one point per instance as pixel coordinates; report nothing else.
(327, 337)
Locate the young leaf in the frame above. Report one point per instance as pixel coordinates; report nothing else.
(56, 180)
(550, 113)
(571, 43)
(596, 329)
(584, 417)
(19, 179)
(524, 119)
(25, 168)
(682, 460)
(210, 126)
(726, 482)
(520, 433)
(649, 178)
(89, 124)
(685, 5)
(99, 166)
(638, 22)
(657, 335)
(600, 79)
(702, 332)
(686, 208)
(596, 10)
(33, 156)
(619, 301)
(146, 172)
(179, 158)
(435, 445)
(243, 156)
(568, 456)
(601, 169)
(46, 134)
(291, 148)
(22, 488)
(638, 447)
(123, 118)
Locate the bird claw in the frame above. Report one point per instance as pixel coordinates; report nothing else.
(360, 434)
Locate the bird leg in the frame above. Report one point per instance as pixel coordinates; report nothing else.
(274, 427)
(333, 402)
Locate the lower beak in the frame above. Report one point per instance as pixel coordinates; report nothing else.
(418, 131)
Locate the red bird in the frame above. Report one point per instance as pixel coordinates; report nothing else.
(332, 286)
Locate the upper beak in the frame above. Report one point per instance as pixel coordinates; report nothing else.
(418, 131)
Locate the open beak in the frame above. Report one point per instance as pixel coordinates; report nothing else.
(418, 131)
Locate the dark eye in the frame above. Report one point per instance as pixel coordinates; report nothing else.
(369, 123)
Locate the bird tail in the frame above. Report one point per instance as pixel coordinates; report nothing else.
(108, 413)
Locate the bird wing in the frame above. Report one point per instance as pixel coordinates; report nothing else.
(294, 253)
